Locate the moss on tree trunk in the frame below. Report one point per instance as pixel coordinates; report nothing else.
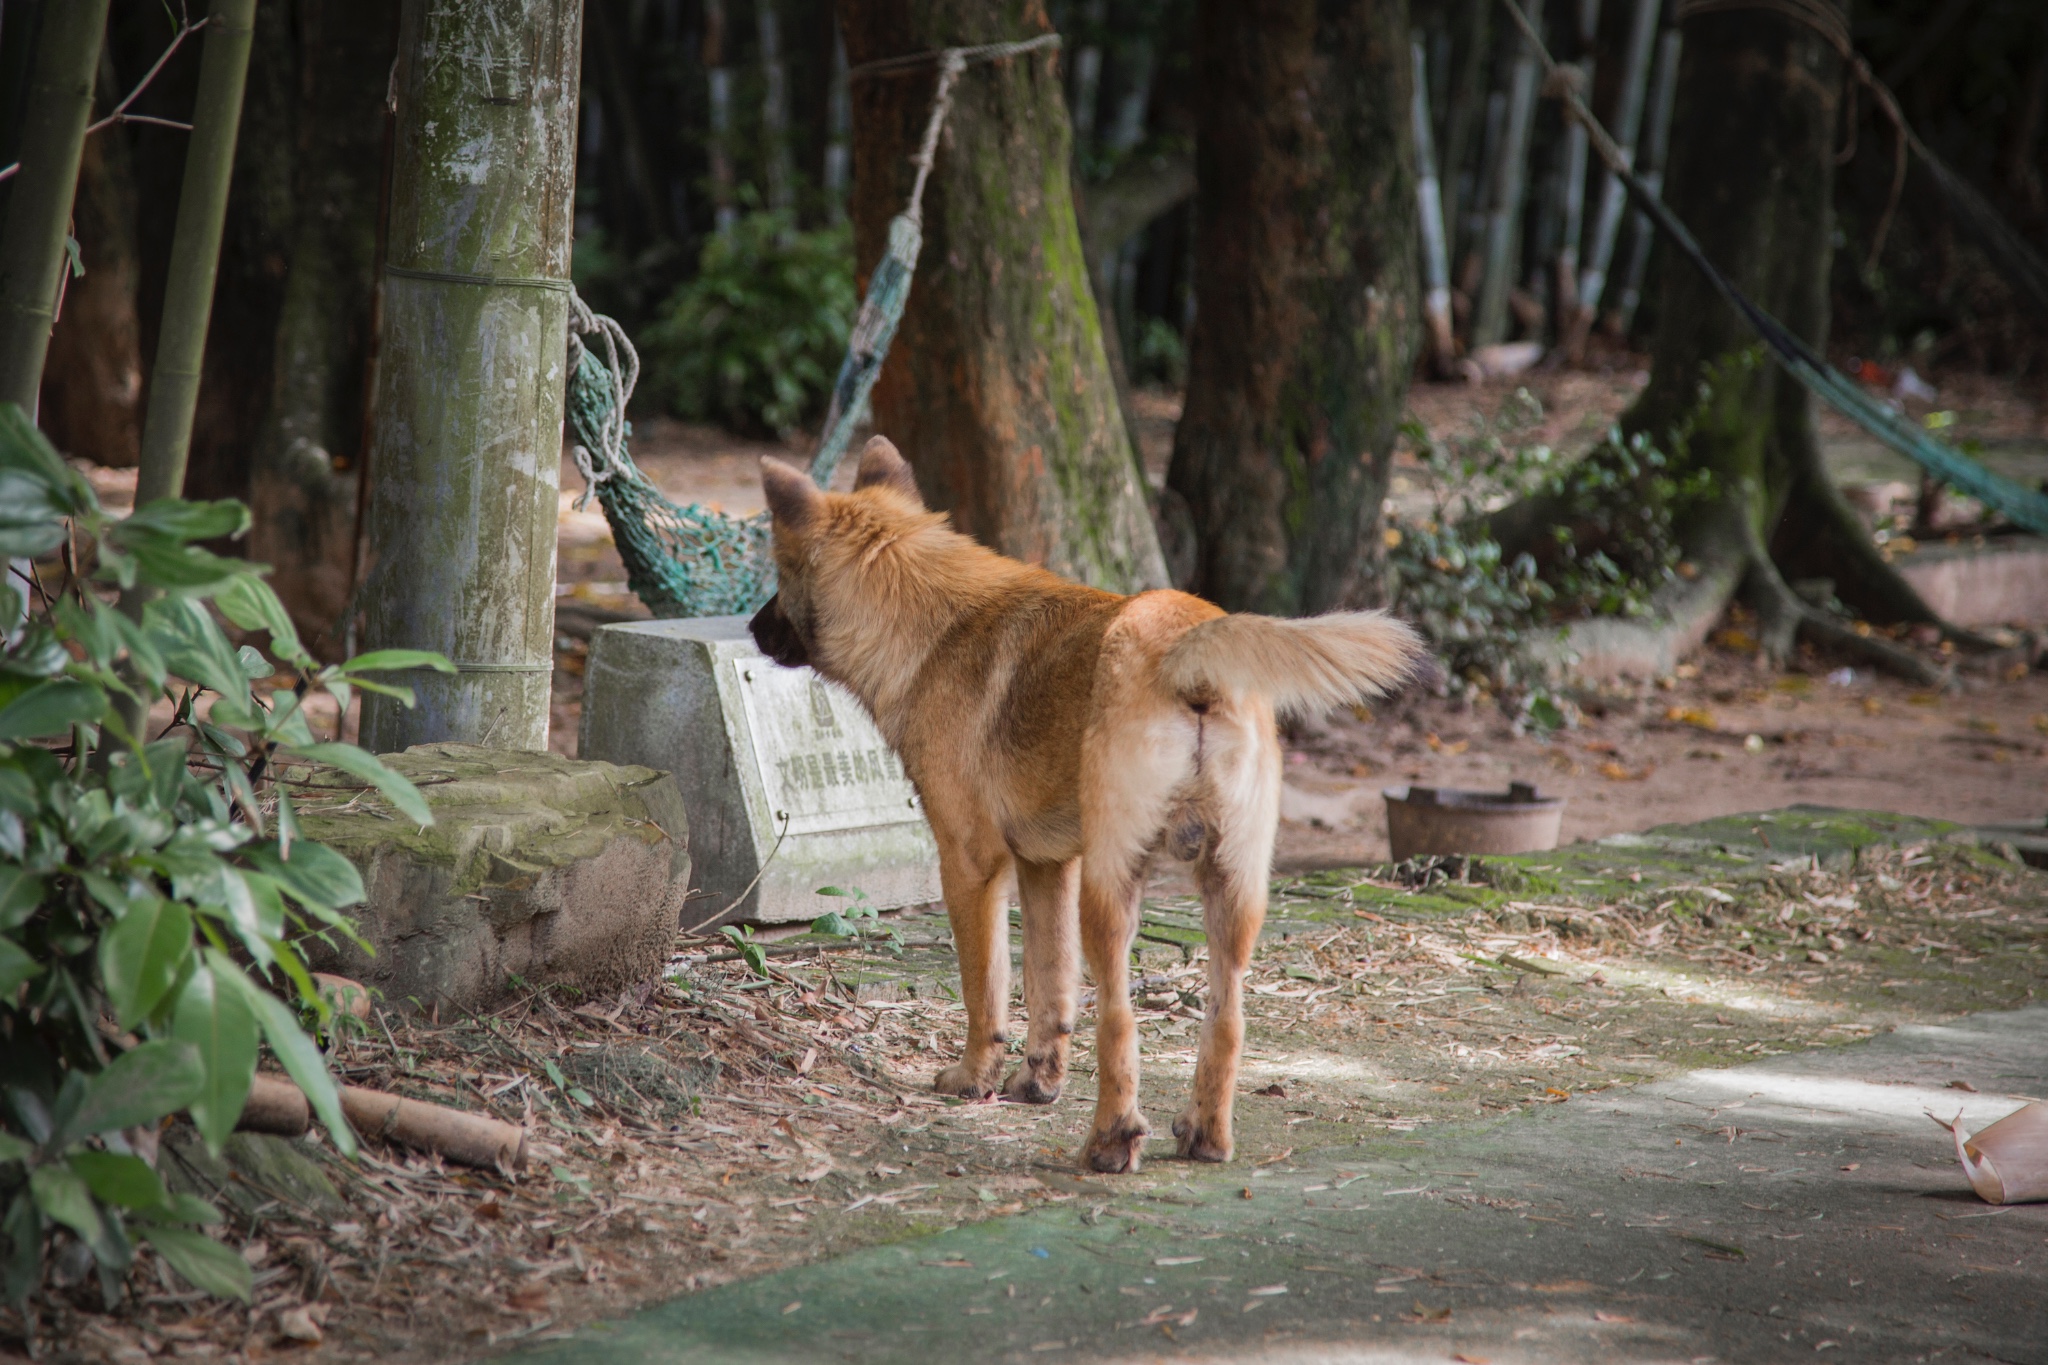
(997, 387)
(466, 456)
(1308, 299)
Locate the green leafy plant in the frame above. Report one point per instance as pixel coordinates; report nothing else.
(755, 339)
(1613, 540)
(858, 919)
(151, 886)
(750, 950)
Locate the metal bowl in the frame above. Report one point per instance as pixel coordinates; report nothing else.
(1439, 820)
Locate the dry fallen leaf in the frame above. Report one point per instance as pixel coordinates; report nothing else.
(1275, 1091)
(296, 1324)
(1602, 1315)
(531, 1297)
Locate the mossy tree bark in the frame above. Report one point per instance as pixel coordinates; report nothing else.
(997, 387)
(1752, 174)
(466, 454)
(307, 457)
(1307, 299)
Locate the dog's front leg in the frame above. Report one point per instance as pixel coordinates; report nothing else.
(1051, 894)
(1109, 919)
(981, 938)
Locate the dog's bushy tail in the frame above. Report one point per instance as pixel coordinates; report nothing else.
(1302, 666)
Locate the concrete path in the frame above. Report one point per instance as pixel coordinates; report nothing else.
(1798, 1207)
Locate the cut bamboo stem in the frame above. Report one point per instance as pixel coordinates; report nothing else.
(32, 254)
(1575, 166)
(1628, 123)
(1504, 214)
(1436, 259)
(275, 1105)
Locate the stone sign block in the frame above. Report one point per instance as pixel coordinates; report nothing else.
(788, 785)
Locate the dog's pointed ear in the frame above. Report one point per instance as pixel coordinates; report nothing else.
(792, 497)
(882, 465)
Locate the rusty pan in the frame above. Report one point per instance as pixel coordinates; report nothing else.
(1441, 820)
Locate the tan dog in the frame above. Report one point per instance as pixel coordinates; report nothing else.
(1063, 734)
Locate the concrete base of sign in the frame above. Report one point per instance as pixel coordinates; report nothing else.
(537, 868)
(788, 785)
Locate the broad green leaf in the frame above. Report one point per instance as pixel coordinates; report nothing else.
(391, 660)
(833, 924)
(24, 1231)
(64, 1198)
(51, 708)
(254, 665)
(140, 1086)
(182, 520)
(219, 1023)
(314, 873)
(141, 956)
(16, 967)
(24, 448)
(251, 604)
(204, 1263)
(124, 1181)
(184, 1208)
(193, 647)
(163, 562)
(13, 1148)
(396, 789)
(301, 1058)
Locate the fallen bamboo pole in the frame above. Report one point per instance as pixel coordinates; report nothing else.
(275, 1105)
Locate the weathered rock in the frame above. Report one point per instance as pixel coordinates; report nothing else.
(790, 787)
(538, 869)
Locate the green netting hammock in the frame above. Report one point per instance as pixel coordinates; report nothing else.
(695, 560)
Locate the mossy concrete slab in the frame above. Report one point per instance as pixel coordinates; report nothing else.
(537, 868)
(1760, 1213)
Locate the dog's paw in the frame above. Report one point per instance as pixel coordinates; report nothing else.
(1037, 1081)
(1197, 1143)
(967, 1082)
(1116, 1150)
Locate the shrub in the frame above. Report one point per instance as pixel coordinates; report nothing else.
(755, 340)
(150, 888)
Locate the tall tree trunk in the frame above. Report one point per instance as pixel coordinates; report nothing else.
(308, 458)
(92, 380)
(32, 253)
(1752, 172)
(1308, 312)
(997, 387)
(466, 461)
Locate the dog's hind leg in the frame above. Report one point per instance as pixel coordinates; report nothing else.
(1242, 769)
(1109, 920)
(973, 880)
(1051, 895)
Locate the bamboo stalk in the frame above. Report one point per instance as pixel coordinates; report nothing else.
(1575, 167)
(39, 204)
(1436, 260)
(775, 108)
(839, 130)
(1628, 121)
(1467, 117)
(1656, 155)
(718, 78)
(195, 251)
(1504, 214)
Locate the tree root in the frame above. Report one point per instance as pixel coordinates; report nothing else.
(1783, 615)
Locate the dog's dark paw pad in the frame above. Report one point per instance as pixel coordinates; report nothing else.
(1192, 1141)
(1118, 1149)
(1037, 1081)
(968, 1083)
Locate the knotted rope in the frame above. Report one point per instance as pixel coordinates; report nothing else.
(695, 560)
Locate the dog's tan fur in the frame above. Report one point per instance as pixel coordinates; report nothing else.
(1062, 734)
